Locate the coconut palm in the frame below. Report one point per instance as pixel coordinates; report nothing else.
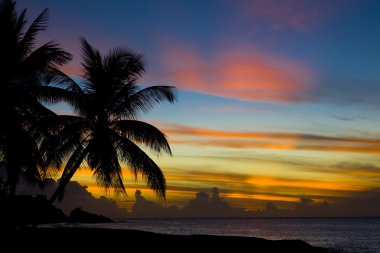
(105, 131)
(23, 69)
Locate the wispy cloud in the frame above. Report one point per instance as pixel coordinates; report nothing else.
(270, 181)
(260, 181)
(271, 140)
(359, 170)
(347, 118)
(254, 186)
(261, 187)
(183, 183)
(235, 109)
(188, 130)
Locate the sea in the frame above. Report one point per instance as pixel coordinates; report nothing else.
(342, 234)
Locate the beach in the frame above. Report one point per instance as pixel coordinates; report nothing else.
(107, 240)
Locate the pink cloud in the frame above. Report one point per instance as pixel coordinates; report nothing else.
(243, 73)
(235, 109)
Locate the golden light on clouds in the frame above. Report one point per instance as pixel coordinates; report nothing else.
(261, 197)
(268, 140)
(257, 174)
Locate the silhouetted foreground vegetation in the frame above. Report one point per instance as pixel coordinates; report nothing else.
(27, 210)
(23, 210)
(104, 130)
(101, 239)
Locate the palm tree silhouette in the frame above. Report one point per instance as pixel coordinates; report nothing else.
(105, 130)
(23, 72)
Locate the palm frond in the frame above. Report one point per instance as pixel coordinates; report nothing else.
(141, 132)
(51, 94)
(108, 172)
(39, 24)
(26, 126)
(144, 100)
(43, 59)
(103, 160)
(59, 146)
(22, 156)
(139, 162)
(122, 65)
(8, 12)
(57, 78)
(92, 62)
(21, 21)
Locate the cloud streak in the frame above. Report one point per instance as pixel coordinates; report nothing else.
(261, 187)
(270, 140)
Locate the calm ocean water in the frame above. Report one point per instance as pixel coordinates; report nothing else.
(344, 234)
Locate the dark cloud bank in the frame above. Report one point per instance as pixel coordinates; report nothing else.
(207, 205)
(76, 195)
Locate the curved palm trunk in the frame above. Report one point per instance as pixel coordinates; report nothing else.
(64, 181)
(62, 185)
(12, 180)
(12, 189)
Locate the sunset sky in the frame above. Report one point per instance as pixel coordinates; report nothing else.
(277, 100)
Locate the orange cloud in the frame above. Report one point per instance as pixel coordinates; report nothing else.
(260, 187)
(243, 74)
(261, 197)
(328, 147)
(266, 181)
(176, 129)
(236, 109)
(263, 184)
(184, 183)
(206, 177)
(267, 140)
(263, 181)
